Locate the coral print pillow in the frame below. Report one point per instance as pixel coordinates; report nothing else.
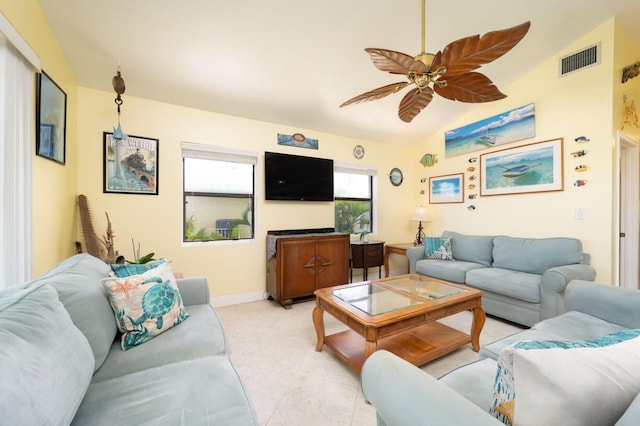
(145, 305)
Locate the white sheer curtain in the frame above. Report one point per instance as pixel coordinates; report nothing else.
(17, 124)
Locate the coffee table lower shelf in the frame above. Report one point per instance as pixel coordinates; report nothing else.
(417, 345)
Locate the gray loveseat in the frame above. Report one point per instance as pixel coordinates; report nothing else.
(402, 394)
(61, 361)
(522, 279)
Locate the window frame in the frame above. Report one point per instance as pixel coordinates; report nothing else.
(372, 173)
(217, 153)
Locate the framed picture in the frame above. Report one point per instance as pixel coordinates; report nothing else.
(130, 165)
(535, 167)
(501, 129)
(446, 189)
(51, 119)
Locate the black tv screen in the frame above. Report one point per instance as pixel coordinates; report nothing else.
(299, 178)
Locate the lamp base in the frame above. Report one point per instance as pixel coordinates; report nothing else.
(419, 236)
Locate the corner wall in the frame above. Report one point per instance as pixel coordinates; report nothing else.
(53, 185)
(566, 107)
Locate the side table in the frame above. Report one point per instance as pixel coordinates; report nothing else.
(366, 255)
(399, 248)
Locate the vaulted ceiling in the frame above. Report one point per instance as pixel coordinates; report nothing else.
(294, 62)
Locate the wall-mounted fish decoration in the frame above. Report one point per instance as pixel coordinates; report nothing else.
(471, 207)
(472, 186)
(473, 159)
(472, 196)
(472, 177)
(429, 160)
(471, 169)
(582, 168)
(423, 180)
(582, 139)
(580, 182)
(580, 153)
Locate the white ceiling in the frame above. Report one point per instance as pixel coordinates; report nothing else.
(294, 62)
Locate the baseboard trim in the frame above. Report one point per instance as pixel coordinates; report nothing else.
(236, 299)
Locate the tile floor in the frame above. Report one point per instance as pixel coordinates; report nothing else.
(291, 384)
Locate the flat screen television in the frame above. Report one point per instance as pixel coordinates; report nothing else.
(297, 178)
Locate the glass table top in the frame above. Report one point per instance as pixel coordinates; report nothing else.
(373, 299)
(425, 289)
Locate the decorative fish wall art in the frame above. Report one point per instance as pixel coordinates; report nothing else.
(429, 160)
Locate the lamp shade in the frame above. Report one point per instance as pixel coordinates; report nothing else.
(421, 215)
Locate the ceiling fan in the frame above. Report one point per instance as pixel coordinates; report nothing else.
(449, 72)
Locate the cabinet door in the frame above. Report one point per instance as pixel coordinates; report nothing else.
(333, 262)
(297, 268)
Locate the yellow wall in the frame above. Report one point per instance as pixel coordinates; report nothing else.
(156, 221)
(567, 107)
(54, 185)
(585, 103)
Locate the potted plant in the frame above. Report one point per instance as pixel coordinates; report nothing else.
(364, 236)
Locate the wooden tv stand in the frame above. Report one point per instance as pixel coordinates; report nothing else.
(300, 263)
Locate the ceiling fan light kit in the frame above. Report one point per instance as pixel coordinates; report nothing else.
(449, 73)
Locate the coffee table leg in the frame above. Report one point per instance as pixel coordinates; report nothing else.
(369, 348)
(318, 323)
(476, 327)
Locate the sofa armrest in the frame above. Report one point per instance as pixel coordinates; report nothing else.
(194, 291)
(402, 394)
(553, 284)
(413, 255)
(613, 304)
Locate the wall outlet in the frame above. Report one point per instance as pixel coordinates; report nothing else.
(579, 213)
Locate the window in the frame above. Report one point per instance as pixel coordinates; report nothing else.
(354, 199)
(219, 187)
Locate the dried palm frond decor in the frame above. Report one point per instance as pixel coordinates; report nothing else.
(100, 248)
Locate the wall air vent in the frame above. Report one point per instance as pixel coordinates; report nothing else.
(577, 61)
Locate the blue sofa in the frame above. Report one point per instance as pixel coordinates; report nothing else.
(61, 360)
(522, 279)
(402, 394)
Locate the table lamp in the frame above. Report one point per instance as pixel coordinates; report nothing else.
(420, 216)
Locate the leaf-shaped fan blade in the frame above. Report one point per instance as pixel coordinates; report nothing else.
(414, 102)
(378, 93)
(471, 87)
(395, 62)
(469, 53)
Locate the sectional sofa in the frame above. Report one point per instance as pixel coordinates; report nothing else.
(62, 362)
(579, 368)
(523, 279)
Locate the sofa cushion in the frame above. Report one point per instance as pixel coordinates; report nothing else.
(471, 248)
(437, 248)
(449, 270)
(568, 326)
(518, 285)
(474, 381)
(631, 416)
(557, 382)
(77, 281)
(203, 391)
(46, 362)
(535, 255)
(145, 305)
(202, 336)
(126, 269)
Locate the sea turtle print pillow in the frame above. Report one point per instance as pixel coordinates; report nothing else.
(145, 305)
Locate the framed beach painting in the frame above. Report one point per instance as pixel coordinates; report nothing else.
(446, 189)
(130, 165)
(535, 167)
(501, 129)
(51, 119)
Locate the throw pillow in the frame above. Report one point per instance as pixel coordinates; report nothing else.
(437, 248)
(582, 382)
(46, 362)
(127, 269)
(145, 305)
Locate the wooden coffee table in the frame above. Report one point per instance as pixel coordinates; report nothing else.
(397, 314)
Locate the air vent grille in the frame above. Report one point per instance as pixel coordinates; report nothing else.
(577, 61)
